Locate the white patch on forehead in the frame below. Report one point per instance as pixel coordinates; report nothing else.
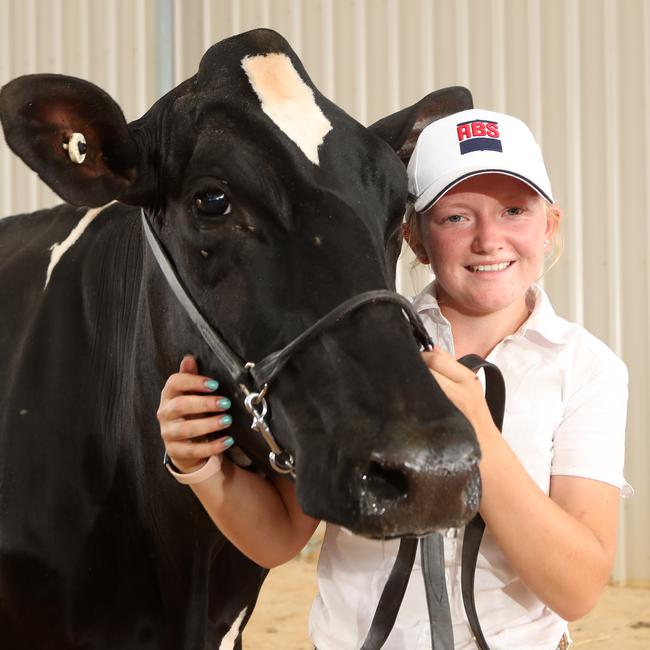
(60, 248)
(288, 101)
(228, 641)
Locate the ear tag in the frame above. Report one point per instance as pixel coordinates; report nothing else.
(76, 148)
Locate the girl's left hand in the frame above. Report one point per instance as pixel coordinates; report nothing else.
(463, 388)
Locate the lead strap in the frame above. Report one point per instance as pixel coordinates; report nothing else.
(392, 595)
(495, 396)
(433, 568)
(433, 571)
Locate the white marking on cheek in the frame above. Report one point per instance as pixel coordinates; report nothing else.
(288, 101)
(228, 641)
(60, 248)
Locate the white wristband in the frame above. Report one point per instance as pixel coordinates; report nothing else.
(212, 466)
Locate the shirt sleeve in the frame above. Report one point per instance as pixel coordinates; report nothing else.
(590, 440)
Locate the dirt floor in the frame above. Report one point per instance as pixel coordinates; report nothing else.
(621, 620)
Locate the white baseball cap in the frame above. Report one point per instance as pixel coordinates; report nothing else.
(470, 143)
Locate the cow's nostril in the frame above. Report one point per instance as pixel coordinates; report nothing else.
(383, 483)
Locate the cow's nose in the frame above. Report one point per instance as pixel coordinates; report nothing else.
(422, 478)
(427, 491)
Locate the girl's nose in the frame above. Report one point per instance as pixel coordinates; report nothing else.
(488, 237)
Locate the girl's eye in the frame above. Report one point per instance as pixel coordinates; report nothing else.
(454, 218)
(514, 212)
(212, 203)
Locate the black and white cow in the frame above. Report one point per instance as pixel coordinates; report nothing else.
(275, 206)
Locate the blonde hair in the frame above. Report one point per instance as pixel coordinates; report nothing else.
(553, 213)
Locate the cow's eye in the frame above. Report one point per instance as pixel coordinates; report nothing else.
(212, 202)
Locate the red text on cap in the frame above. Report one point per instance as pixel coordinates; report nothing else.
(477, 129)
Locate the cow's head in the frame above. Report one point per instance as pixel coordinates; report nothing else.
(275, 207)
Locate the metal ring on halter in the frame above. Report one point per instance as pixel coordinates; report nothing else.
(249, 365)
(254, 399)
(282, 462)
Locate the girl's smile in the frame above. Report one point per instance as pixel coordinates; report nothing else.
(489, 267)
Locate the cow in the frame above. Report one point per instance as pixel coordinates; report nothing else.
(274, 207)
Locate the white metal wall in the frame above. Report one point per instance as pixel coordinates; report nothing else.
(578, 71)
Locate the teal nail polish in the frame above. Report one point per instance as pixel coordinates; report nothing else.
(228, 442)
(226, 420)
(223, 403)
(211, 384)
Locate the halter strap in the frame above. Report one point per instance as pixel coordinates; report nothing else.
(265, 371)
(233, 363)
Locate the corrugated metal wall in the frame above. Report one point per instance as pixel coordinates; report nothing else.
(578, 71)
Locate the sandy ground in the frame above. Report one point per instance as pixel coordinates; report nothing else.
(621, 620)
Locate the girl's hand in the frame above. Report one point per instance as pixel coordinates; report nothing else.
(188, 411)
(464, 389)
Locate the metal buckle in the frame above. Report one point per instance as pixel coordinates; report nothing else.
(281, 461)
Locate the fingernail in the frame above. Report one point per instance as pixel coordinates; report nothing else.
(223, 403)
(228, 442)
(226, 420)
(211, 384)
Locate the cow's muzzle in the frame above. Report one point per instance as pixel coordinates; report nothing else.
(422, 480)
(410, 500)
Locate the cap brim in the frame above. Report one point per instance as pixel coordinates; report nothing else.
(438, 189)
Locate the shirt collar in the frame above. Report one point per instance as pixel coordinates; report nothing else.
(542, 320)
(427, 300)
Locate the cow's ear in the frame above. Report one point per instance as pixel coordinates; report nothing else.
(72, 134)
(401, 129)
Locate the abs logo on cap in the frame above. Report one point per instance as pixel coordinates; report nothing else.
(478, 135)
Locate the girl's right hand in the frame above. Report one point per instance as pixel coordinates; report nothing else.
(188, 411)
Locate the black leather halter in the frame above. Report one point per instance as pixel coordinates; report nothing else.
(253, 379)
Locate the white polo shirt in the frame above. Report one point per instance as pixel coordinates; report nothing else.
(565, 414)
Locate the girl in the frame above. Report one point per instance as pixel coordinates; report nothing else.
(483, 217)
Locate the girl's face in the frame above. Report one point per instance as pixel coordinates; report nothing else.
(485, 241)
